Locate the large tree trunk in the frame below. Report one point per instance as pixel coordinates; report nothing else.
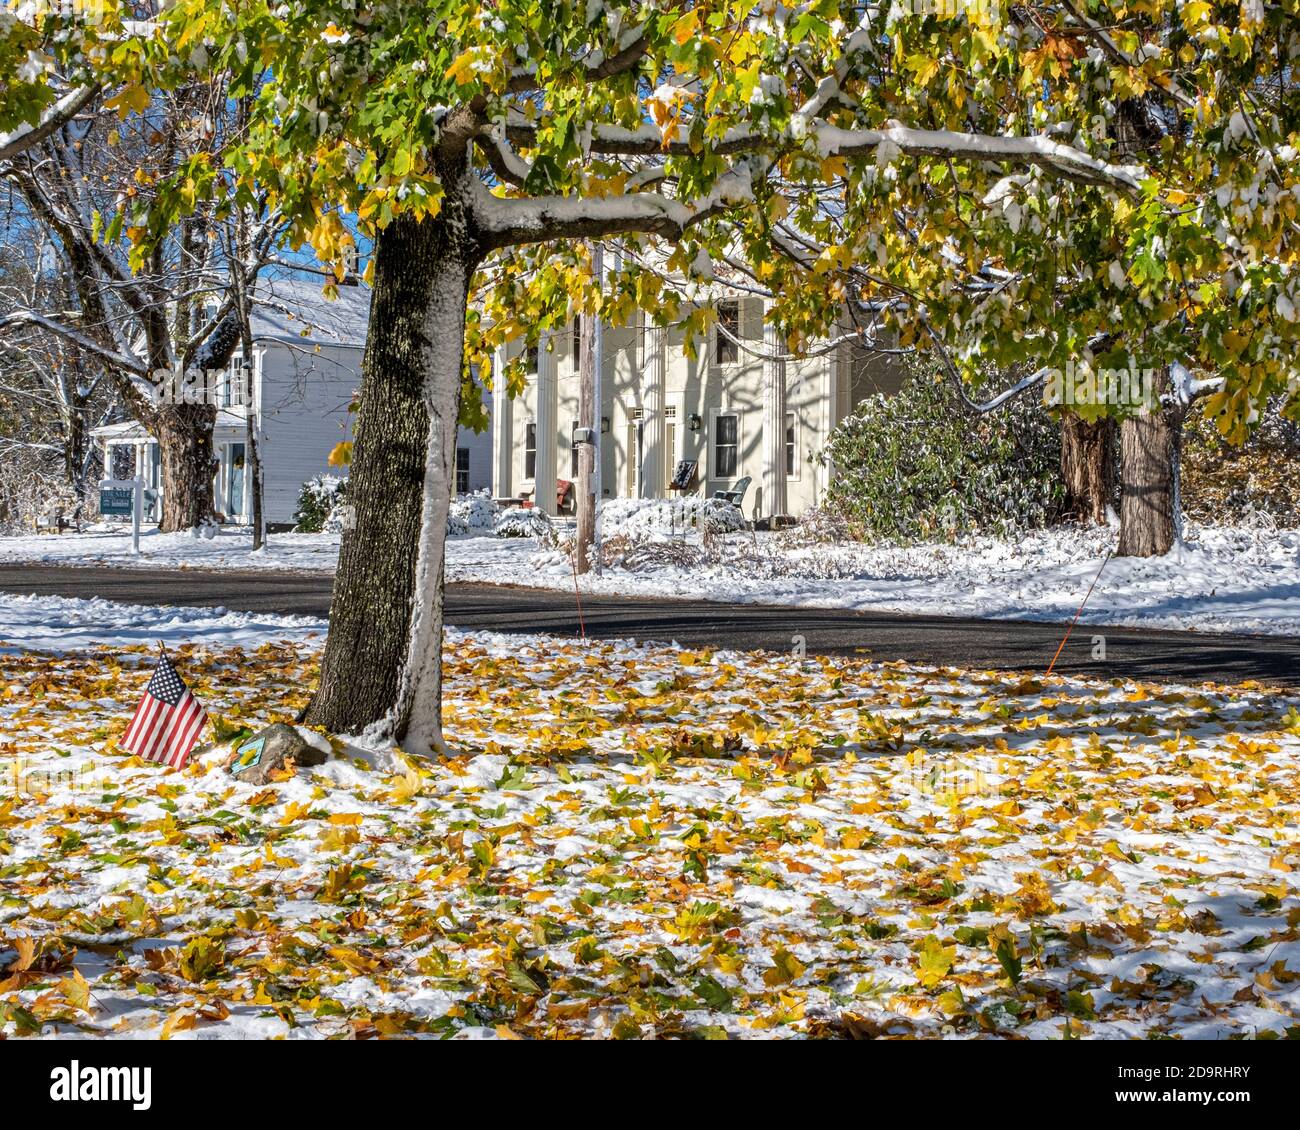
(184, 434)
(1150, 448)
(370, 613)
(382, 668)
(417, 715)
(1086, 467)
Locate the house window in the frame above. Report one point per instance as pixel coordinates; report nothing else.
(462, 470)
(530, 358)
(237, 385)
(577, 342)
(725, 350)
(230, 386)
(670, 453)
(122, 461)
(725, 432)
(791, 456)
(530, 451)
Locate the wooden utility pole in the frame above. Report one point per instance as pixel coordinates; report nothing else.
(587, 550)
(254, 457)
(244, 299)
(588, 424)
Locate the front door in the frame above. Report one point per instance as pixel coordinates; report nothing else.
(235, 482)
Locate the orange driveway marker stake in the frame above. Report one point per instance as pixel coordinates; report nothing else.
(1079, 613)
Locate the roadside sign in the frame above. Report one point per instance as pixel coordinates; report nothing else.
(116, 501)
(124, 498)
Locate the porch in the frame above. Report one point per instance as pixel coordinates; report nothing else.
(130, 451)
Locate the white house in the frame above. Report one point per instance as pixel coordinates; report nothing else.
(741, 409)
(306, 369)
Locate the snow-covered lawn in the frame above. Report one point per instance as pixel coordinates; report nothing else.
(228, 548)
(638, 842)
(1222, 579)
(51, 623)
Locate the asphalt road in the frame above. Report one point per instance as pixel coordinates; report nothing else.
(1010, 645)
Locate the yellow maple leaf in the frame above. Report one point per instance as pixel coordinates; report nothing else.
(76, 991)
(182, 1020)
(131, 97)
(935, 961)
(786, 968)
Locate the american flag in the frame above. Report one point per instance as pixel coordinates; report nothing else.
(168, 720)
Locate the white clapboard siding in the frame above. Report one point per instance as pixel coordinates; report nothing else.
(480, 449)
(305, 395)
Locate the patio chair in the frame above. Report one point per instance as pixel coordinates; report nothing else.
(736, 495)
(564, 496)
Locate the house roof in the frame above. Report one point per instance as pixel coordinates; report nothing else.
(296, 309)
(131, 431)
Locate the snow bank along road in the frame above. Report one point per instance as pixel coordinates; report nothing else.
(1004, 645)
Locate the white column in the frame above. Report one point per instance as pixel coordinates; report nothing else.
(654, 377)
(832, 410)
(547, 409)
(774, 495)
(503, 432)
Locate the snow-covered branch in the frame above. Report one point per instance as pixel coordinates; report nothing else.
(1040, 150)
(28, 445)
(55, 117)
(860, 337)
(505, 221)
(505, 162)
(1186, 386)
(35, 319)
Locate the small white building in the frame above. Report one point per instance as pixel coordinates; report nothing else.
(740, 409)
(306, 371)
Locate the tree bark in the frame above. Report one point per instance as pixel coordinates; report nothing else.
(453, 255)
(370, 612)
(1086, 467)
(1150, 448)
(184, 435)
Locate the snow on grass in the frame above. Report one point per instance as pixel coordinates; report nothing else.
(52, 623)
(1221, 580)
(645, 842)
(231, 547)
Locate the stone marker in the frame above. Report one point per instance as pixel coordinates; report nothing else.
(256, 758)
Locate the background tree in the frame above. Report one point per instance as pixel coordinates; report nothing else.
(55, 393)
(172, 309)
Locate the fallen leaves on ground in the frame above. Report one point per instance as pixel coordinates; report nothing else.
(637, 842)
